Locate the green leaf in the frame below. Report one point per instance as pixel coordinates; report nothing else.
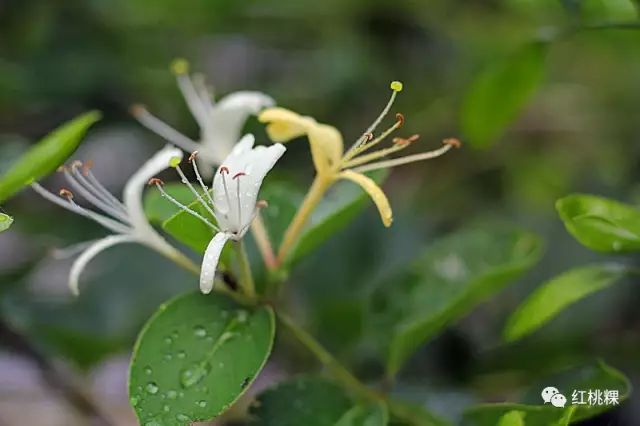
(373, 414)
(303, 401)
(190, 230)
(500, 92)
(452, 276)
(596, 376)
(601, 224)
(557, 294)
(5, 222)
(47, 155)
(195, 357)
(158, 209)
(407, 413)
(512, 418)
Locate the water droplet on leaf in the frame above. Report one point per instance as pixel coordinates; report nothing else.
(202, 404)
(151, 388)
(193, 375)
(199, 331)
(172, 394)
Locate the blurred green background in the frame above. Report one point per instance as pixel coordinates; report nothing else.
(577, 130)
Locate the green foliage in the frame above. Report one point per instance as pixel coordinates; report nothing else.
(499, 93)
(592, 376)
(195, 357)
(512, 418)
(452, 276)
(158, 209)
(47, 155)
(601, 224)
(557, 294)
(406, 413)
(5, 222)
(313, 401)
(190, 230)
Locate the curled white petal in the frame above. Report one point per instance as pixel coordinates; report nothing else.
(134, 188)
(237, 188)
(210, 261)
(91, 252)
(227, 119)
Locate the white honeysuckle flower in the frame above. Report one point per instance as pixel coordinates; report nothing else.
(126, 219)
(220, 122)
(233, 204)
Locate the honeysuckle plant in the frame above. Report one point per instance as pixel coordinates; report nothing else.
(126, 218)
(333, 163)
(221, 122)
(233, 205)
(199, 353)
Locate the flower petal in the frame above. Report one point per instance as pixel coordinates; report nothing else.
(253, 163)
(136, 184)
(91, 252)
(326, 147)
(284, 125)
(227, 120)
(374, 191)
(210, 261)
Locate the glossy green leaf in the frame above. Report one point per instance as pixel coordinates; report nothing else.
(158, 209)
(365, 415)
(512, 418)
(190, 230)
(500, 92)
(557, 294)
(47, 155)
(5, 221)
(195, 357)
(601, 224)
(453, 275)
(596, 376)
(303, 401)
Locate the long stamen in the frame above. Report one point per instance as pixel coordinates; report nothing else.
(84, 188)
(396, 87)
(99, 187)
(236, 178)
(70, 205)
(373, 142)
(159, 184)
(162, 129)
(448, 145)
(192, 160)
(398, 145)
(224, 172)
(180, 68)
(197, 194)
(204, 92)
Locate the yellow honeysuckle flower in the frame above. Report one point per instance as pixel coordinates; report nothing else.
(333, 163)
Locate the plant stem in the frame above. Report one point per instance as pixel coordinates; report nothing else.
(339, 372)
(317, 190)
(259, 232)
(246, 278)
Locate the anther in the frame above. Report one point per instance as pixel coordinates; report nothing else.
(86, 167)
(155, 181)
(62, 169)
(193, 156)
(261, 204)
(406, 141)
(137, 110)
(76, 164)
(65, 193)
(223, 170)
(237, 175)
(399, 119)
(368, 137)
(453, 142)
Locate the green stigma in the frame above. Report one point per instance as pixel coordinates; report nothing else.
(396, 86)
(174, 162)
(180, 66)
